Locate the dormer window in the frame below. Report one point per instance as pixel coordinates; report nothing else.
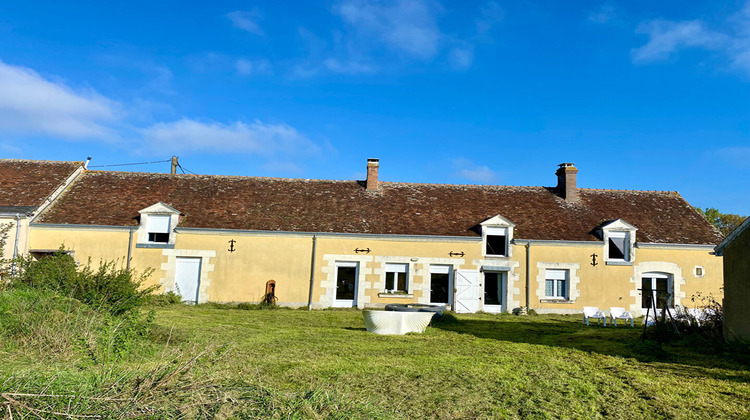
(617, 246)
(619, 242)
(497, 234)
(157, 226)
(497, 242)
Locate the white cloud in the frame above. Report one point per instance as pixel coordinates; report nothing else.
(347, 67)
(731, 39)
(465, 168)
(407, 26)
(738, 156)
(461, 58)
(246, 21)
(31, 104)
(239, 137)
(490, 14)
(667, 37)
(603, 14)
(253, 67)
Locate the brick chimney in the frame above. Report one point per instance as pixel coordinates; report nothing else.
(566, 182)
(372, 174)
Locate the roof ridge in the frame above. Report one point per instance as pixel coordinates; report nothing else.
(41, 161)
(622, 190)
(102, 172)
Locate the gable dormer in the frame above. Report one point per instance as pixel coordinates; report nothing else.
(156, 229)
(619, 242)
(497, 234)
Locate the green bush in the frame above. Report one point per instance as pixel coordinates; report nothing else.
(165, 299)
(117, 290)
(45, 325)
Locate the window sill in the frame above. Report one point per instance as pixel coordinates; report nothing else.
(396, 295)
(552, 300)
(498, 257)
(615, 262)
(155, 245)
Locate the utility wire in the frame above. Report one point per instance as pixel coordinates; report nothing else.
(128, 164)
(183, 169)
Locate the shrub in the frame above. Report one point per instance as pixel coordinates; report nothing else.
(118, 290)
(45, 325)
(165, 299)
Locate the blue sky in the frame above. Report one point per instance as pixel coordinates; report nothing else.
(639, 94)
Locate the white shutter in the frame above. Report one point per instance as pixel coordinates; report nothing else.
(157, 223)
(396, 268)
(467, 291)
(440, 269)
(496, 231)
(556, 274)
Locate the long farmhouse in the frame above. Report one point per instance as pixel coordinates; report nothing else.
(369, 243)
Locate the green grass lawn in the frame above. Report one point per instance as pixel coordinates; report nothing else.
(468, 366)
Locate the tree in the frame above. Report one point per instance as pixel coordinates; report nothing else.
(725, 222)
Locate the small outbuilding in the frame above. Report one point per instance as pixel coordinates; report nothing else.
(735, 249)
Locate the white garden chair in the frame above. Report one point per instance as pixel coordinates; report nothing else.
(616, 313)
(696, 315)
(593, 312)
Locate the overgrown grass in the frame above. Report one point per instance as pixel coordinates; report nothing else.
(215, 363)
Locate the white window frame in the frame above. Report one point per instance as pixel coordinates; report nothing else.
(619, 229)
(442, 269)
(554, 274)
(158, 219)
(158, 210)
(495, 226)
(396, 268)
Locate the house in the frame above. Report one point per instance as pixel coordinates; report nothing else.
(370, 243)
(735, 250)
(26, 189)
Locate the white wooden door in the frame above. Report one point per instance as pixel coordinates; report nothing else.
(187, 278)
(467, 291)
(345, 295)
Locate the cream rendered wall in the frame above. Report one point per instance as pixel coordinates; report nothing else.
(241, 276)
(616, 285)
(10, 240)
(419, 254)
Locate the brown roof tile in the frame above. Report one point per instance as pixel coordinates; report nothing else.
(26, 183)
(253, 203)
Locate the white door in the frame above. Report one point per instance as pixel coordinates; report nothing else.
(346, 284)
(467, 291)
(187, 278)
(494, 291)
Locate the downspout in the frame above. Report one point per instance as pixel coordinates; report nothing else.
(130, 248)
(312, 271)
(15, 246)
(528, 274)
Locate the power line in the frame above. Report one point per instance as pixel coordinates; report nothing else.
(183, 169)
(129, 164)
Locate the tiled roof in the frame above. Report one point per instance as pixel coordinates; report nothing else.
(251, 203)
(27, 183)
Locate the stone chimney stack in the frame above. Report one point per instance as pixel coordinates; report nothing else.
(566, 182)
(372, 175)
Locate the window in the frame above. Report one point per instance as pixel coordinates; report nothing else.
(618, 246)
(656, 287)
(698, 271)
(496, 241)
(396, 278)
(157, 226)
(494, 289)
(440, 284)
(556, 284)
(619, 242)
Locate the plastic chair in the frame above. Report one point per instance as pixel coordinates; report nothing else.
(593, 312)
(616, 313)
